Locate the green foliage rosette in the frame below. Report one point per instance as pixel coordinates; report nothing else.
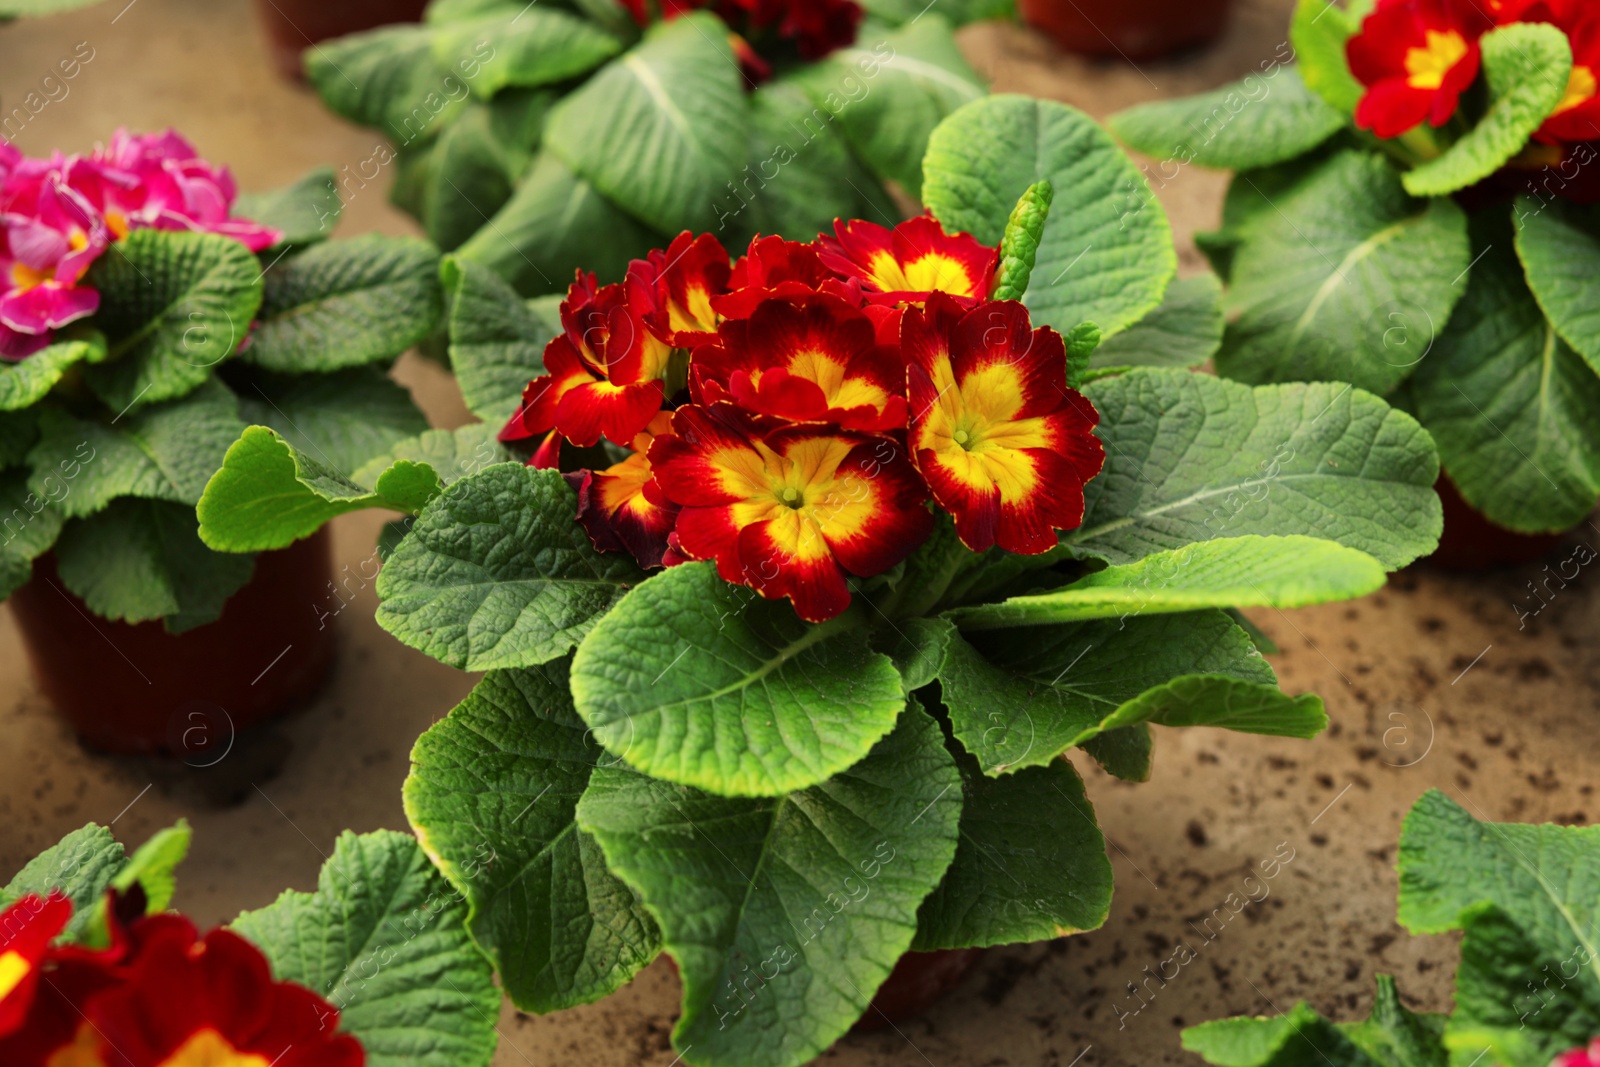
(541, 139)
(1527, 990)
(788, 777)
(1425, 234)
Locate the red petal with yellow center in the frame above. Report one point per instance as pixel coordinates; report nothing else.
(26, 930)
(789, 511)
(914, 259)
(810, 358)
(617, 412)
(1005, 446)
(620, 508)
(673, 290)
(1416, 58)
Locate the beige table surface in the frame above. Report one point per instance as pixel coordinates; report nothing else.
(1429, 683)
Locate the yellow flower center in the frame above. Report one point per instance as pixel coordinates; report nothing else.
(1581, 88)
(1427, 66)
(210, 1049)
(85, 1050)
(13, 969)
(25, 277)
(928, 273)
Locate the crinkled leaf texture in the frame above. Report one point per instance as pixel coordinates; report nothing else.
(1262, 120)
(786, 913)
(383, 938)
(1021, 698)
(1341, 277)
(1106, 256)
(81, 866)
(492, 795)
(497, 573)
(25, 383)
(497, 338)
(699, 682)
(1190, 457)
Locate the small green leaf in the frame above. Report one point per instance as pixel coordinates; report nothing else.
(496, 573)
(1559, 245)
(1319, 33)
(1526, 66)
(269, 495)
(784, 914)
(342, 419)
(166, 451)
(1081, 342)
(1021, 699)
(492, 794)
(529, 47)
(24, 384)
(1262, 120)
(1392, 1037)
(1019, 247)
(496, 339)
(1184, 331)
(557, 222)
(140, 559)
(305, 211)
(384, 940)
(346, 303)
(173, 305)
(1343, 278)
(661, 128)
(1250, 571)
(1031, 864)
(1510, 404)
(153, 868)
(697, 681)
(1106, 255)
(1190, 457)
(80, 867)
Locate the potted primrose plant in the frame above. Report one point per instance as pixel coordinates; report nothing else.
(1527, 992)
(1413, 214)
(541, 139)
(374, 967)
(823, 558)
(146, 317)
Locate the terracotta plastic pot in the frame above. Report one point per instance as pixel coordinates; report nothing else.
(292, 26)
(138, 689)
(1134, 30)
(918, 980)
(1471, 542)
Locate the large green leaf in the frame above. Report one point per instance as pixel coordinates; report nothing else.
(1107, 254)
(141, 559)
(1346, 279)
(497, 573)
(555, 223)
(384, 940)
(887, 98)
(661, 129)
(458, 183)
(1031, 864)
(1184, 331)
(783, 914)
(1559, 245)
(25, 383)
(346, 303)
(1393, 1036)
(524, 45)
(387, 78)
(1020, 699)
(1510, 404)
(492, 795)
(496, 340)
(1190, 457)
(305, 211)
(173, 305)
(1252, 123)
(1249, 571)
(167, 451)
(697, 681)
(1526, 66)
(268, 494)
(343, 419)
